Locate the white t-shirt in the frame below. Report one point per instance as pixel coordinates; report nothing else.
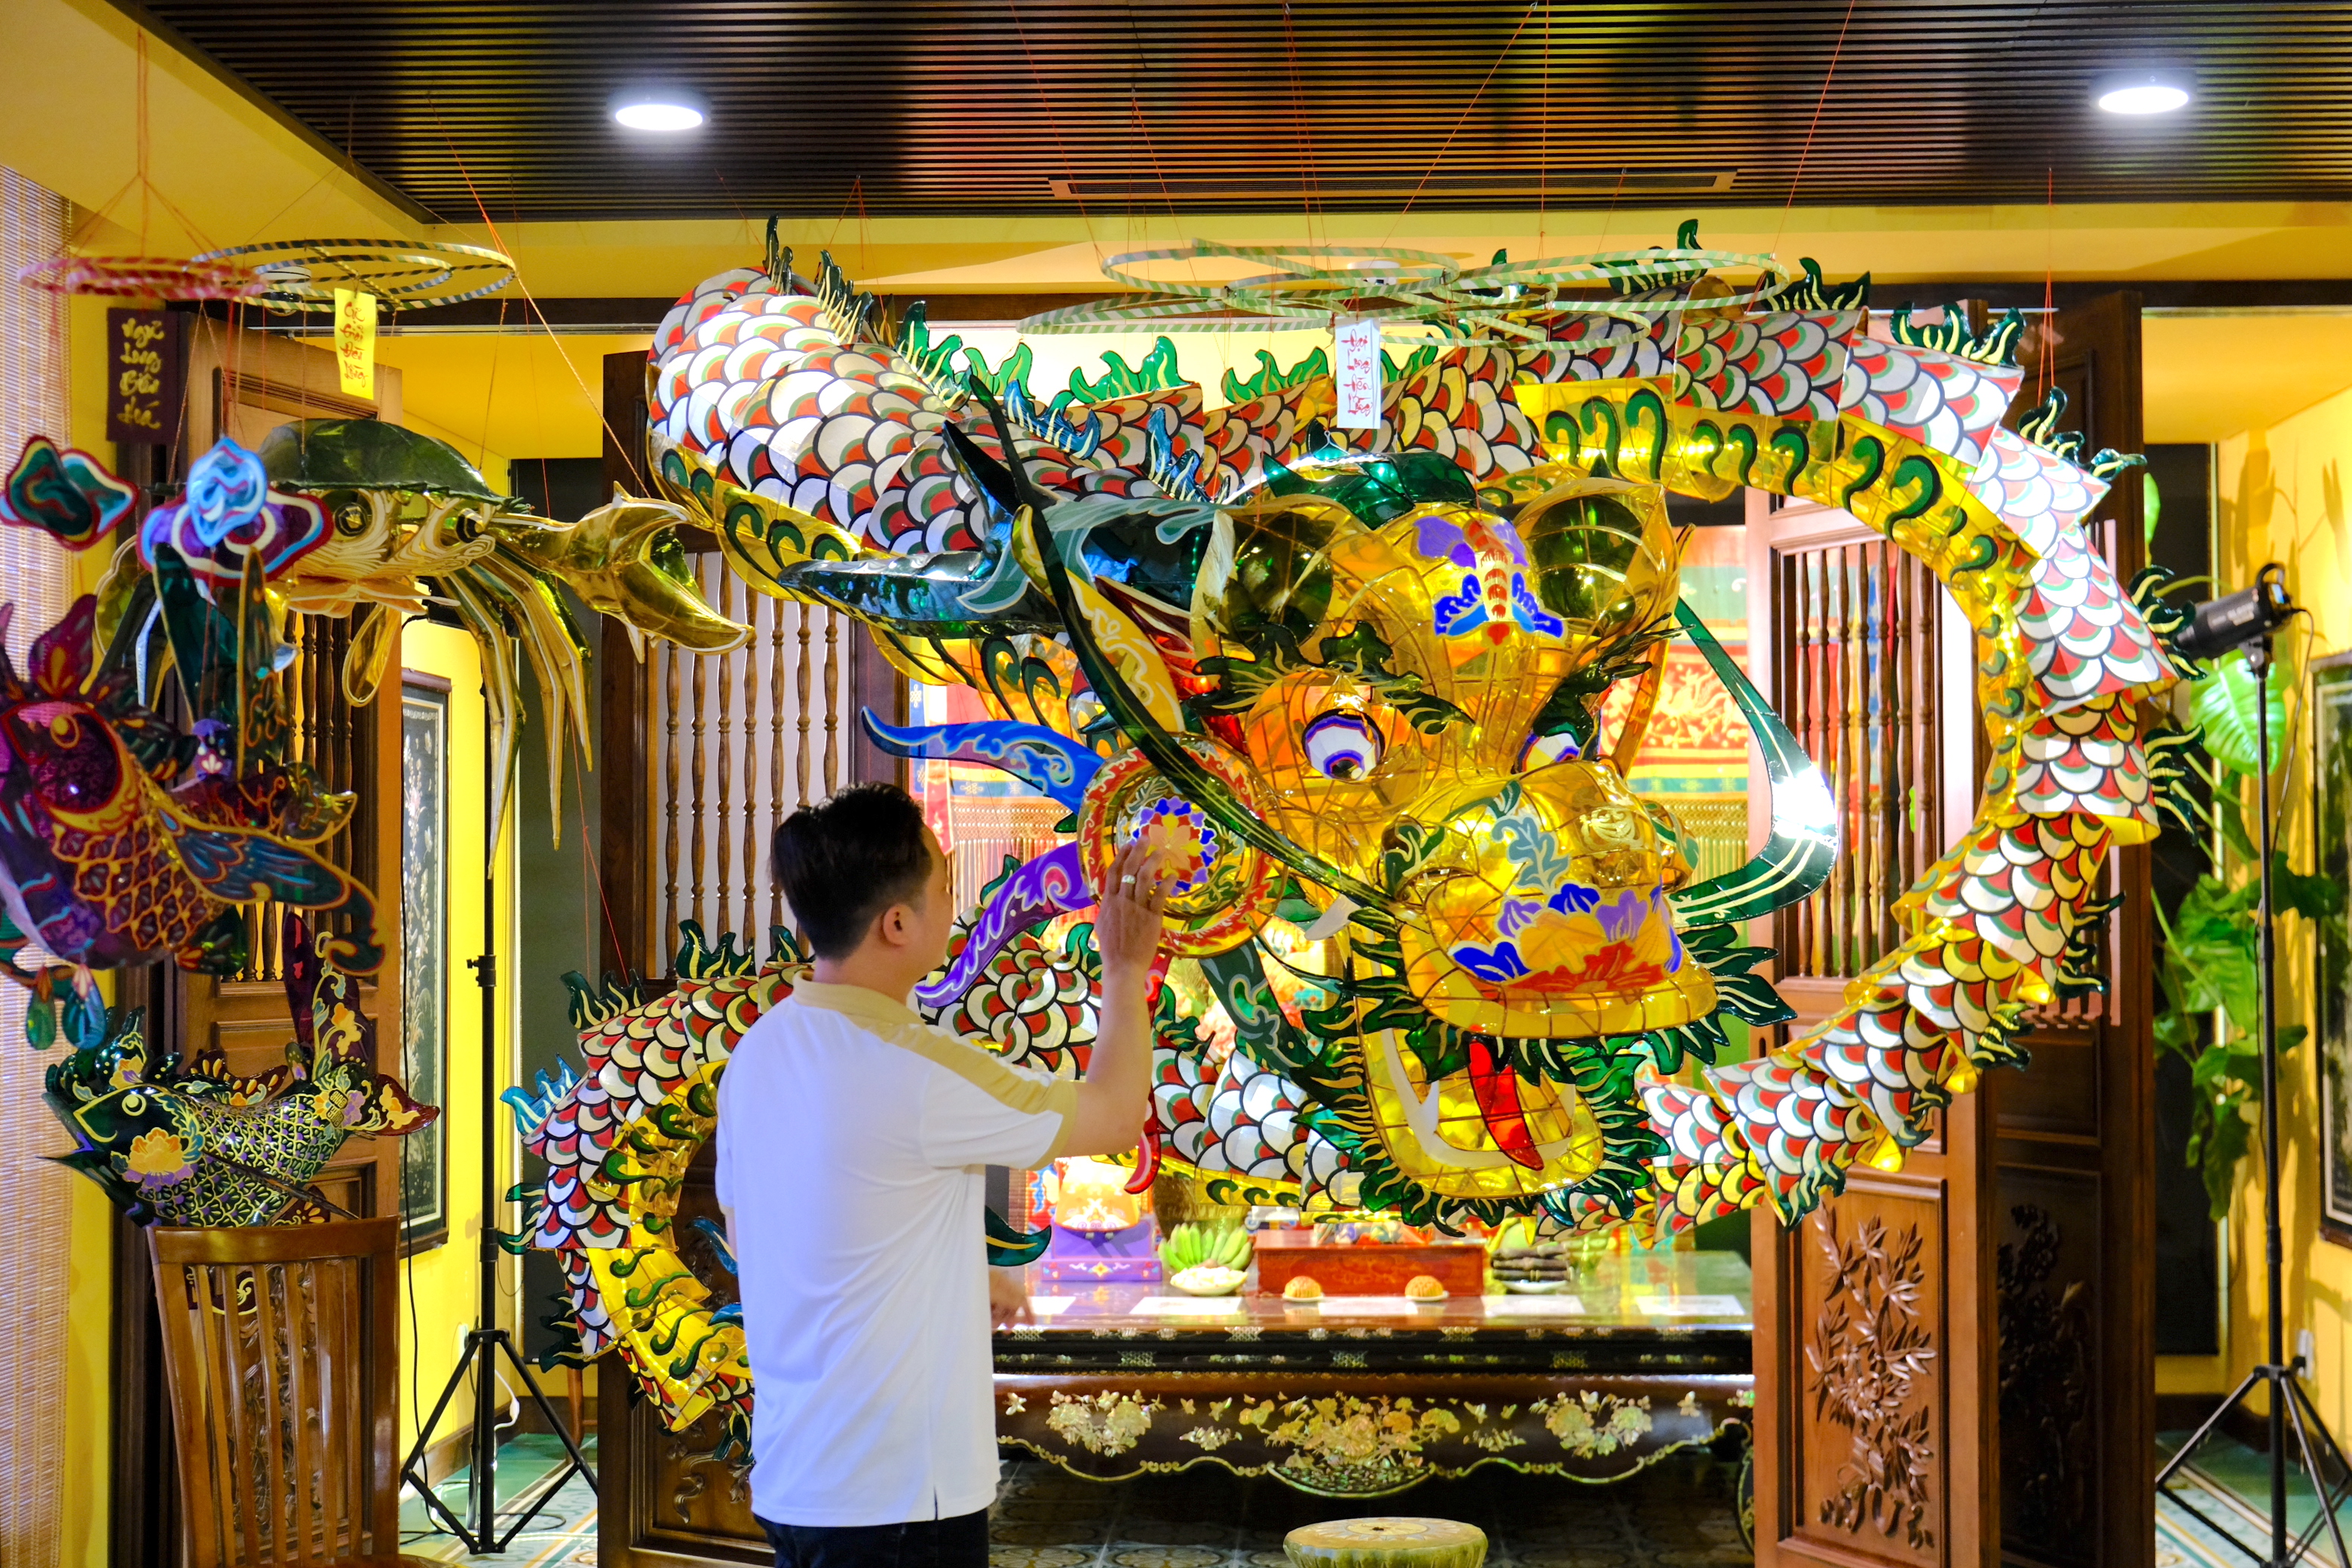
(853, 1139)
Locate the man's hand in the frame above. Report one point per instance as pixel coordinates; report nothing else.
(1008, 1298)
(1128, 923)
(1117, 1087)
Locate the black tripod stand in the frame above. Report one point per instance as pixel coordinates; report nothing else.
(2227, 623)
(485, 1342)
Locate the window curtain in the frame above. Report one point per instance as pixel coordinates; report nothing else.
(35, 1225)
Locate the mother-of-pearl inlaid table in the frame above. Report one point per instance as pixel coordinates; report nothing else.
(1639, 1355)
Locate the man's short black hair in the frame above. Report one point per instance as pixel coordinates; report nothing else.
(843, 861)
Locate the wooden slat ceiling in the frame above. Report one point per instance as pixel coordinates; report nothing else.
(1088, 108)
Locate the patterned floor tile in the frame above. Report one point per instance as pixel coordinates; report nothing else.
(1050, 1508)
(1167, 1557)
(1038, 1557)
(1048, 1532)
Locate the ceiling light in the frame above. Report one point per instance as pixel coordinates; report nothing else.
(657, 114)
(2143, 95)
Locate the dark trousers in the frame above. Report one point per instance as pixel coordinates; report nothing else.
(958, 1543)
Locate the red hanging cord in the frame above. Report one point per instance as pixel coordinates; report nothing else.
(499, 244)
(1314, 193)
(1467, 110)
(596, 872)
(1820, 103)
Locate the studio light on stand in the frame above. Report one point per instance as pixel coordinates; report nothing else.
(2252, 616)
(488, 1340)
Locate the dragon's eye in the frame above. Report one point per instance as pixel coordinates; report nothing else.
(1343, 746)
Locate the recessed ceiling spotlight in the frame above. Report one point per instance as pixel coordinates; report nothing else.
(2142, 94)
(662, 113)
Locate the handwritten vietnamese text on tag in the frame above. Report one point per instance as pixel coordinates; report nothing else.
(1357, 375)
(355, 340)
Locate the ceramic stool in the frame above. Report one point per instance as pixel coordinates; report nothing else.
(1386, 1543)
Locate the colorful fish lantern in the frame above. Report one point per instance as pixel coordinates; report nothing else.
(189, 1142)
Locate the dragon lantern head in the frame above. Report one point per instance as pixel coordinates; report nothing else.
(1415, 689)
(1357, 707)
(1369, 678)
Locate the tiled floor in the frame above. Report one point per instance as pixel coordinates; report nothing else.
(2230, 1484)
(562, 1532)
(1678, 1513)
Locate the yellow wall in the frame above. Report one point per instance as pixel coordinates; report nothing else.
(2282, 495)
(443, 1283)
(506, 395)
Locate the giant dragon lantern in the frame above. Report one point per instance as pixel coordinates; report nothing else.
(1431, 954)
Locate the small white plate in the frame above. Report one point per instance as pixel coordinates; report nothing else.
(1689, 1307)
(1535, 1306)
(1189, 1306)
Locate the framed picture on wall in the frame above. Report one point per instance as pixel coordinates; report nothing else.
(2331, 707)
(424, 952)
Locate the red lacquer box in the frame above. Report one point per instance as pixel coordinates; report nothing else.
(1368, 1269)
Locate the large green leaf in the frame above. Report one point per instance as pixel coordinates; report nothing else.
(2314, 898)
(2224, 704)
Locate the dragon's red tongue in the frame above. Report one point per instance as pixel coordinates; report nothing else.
(1496, 1089)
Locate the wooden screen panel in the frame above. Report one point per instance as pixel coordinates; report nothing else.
(1858, 668)
(736, 741)
(2073, 1156)
(335, 741)
(246, 1015)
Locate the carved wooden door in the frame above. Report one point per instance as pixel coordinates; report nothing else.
(1874, 1387)
(2073, 1150)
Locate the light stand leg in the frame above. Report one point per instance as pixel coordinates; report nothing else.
(2323, 1491)
(479, 1530)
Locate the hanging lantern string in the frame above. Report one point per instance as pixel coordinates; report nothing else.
(142, 276)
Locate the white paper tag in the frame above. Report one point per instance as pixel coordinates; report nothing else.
(1689, 1307)
(1189, 1306)
(1051, 1306)
(1370, 1306)
(1535, 1306)
(1357, 374)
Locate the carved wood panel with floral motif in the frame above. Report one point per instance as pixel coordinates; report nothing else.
(1871, 1413)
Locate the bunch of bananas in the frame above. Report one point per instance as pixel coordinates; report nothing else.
(1225, 1245)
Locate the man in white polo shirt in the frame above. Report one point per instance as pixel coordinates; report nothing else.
(853, 1139)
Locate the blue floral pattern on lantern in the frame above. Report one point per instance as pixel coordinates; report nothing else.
(1184, 837)
(1493, 593)
(228, 514)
